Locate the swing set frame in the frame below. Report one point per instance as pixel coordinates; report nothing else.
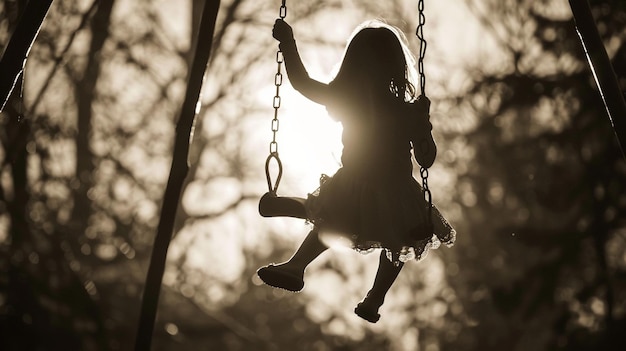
(16, 53)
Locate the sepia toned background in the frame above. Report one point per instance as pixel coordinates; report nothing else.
(528, 172)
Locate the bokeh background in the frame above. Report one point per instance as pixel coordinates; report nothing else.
(529, 173)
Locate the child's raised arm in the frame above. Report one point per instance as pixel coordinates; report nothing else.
(424, 147)
(298, 76)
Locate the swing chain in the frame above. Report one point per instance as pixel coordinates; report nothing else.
(419, 32)
(278, 81)
(282, 13)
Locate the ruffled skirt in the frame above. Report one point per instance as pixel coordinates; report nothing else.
(391, 214)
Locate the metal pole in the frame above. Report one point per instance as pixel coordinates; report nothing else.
(14, 57)
(178, 172)
(601, 68)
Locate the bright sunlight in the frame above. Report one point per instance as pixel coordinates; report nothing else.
(309, 140)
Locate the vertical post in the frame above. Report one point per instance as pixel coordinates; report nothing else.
(178, 172)
(16, 52)
(601, 68)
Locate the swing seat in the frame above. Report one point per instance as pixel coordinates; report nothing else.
(272, 205)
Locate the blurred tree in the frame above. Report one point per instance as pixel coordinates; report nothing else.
(103, 85)
(44, 303)
(543, 195)
(532, 164)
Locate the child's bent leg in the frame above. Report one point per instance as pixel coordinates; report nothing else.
(288, 275)
(310, 248)
(385, 276)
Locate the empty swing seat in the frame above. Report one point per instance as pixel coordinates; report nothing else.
(272, 205)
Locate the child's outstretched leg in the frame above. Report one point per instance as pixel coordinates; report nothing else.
(288, 275)
(385, 276)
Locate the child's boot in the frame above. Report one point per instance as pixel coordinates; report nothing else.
(289, 275)
(385, 276)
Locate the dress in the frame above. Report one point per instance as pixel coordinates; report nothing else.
(373, 198)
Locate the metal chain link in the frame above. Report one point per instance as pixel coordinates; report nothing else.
(419, 32)
(278, 81)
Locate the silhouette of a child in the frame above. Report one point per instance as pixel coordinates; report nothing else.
(373, 199)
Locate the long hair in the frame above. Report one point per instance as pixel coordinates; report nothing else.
(377, 57)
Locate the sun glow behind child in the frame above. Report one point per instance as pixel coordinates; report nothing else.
(309, 140)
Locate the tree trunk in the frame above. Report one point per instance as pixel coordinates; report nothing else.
(85, 91)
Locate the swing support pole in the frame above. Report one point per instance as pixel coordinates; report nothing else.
(14, 57)
(601, 68)
(178, 173)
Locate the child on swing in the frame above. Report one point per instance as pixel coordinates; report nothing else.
(373, 199)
